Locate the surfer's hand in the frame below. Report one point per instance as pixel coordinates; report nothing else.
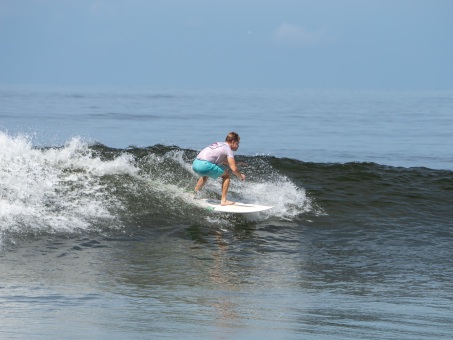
(242, 177)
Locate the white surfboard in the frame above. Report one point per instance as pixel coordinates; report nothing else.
(236, 208)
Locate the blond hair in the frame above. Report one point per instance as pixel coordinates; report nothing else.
(232, 137)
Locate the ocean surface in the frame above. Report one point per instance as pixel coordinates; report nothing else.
(99, 238)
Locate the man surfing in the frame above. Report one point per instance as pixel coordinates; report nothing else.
(210, 161)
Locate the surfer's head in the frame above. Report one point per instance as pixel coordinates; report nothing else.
(233, 140)
(232, 137)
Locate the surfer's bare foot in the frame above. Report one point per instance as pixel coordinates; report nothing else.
(226, 202)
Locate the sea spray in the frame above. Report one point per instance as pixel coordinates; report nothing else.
(55, 189)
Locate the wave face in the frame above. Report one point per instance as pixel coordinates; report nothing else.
(83, 188)
(87, 188)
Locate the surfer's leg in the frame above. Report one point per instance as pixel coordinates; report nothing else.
(225, 186)
(201, 182)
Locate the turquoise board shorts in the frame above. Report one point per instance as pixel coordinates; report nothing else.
(205, 168)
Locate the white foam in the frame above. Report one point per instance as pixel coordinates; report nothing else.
(287, 199)
(56, 189)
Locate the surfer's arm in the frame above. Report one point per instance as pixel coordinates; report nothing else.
(237, 163)
(234, 169)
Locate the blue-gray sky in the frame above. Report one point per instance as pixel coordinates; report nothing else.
(333, 44)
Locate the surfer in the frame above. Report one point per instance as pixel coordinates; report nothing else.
(210, 163)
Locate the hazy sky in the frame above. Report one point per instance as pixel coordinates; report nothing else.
(333, 44)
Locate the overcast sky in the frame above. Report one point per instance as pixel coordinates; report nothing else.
(331, 44)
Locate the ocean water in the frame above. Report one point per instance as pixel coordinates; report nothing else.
(98, 238)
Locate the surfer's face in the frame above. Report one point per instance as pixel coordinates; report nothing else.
(234, 146)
